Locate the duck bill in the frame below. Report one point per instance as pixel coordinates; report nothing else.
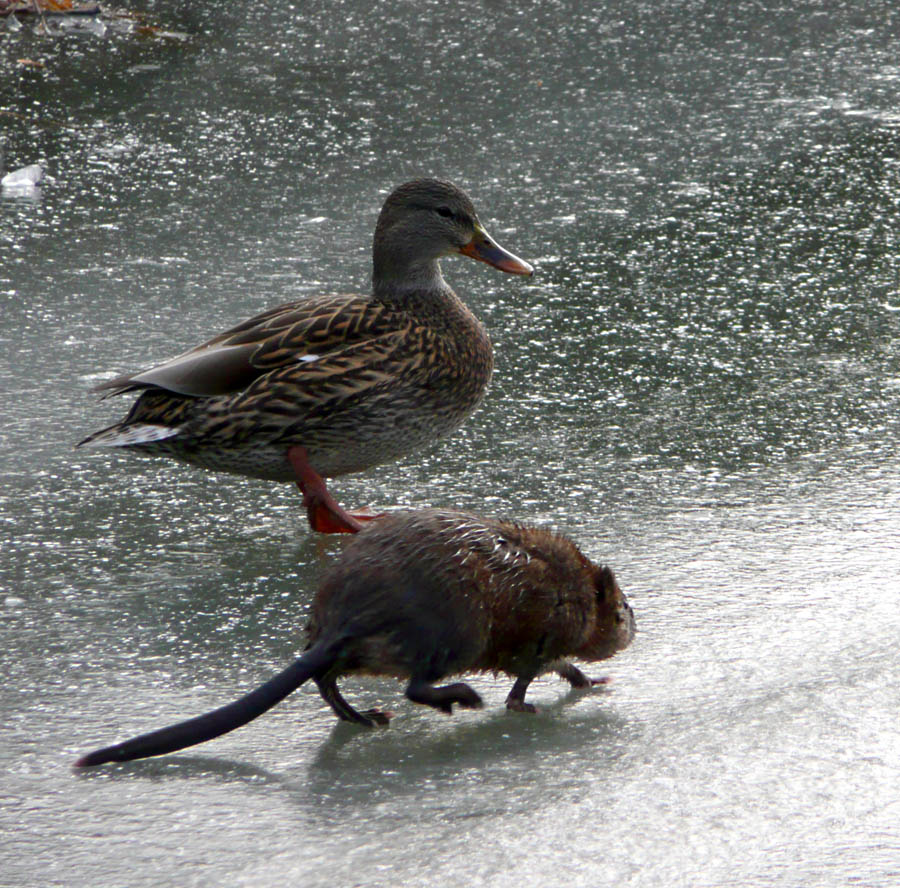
(485, 249)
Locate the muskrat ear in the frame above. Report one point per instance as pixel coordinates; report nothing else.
(605, 583)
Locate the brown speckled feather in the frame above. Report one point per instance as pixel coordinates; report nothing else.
(280, 336)
(316, 372)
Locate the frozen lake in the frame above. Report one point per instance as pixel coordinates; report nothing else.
(700, 385)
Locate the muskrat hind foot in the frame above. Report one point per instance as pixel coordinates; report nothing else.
(377, 716)
(444, 697)
(516, 705)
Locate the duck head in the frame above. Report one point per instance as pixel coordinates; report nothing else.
(425, 220)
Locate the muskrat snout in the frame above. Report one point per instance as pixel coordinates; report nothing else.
(625, 621)
(618, 626)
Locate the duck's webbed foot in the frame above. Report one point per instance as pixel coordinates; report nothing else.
(324, 512)
(443, 698)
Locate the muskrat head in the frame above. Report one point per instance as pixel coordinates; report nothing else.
(614, 628)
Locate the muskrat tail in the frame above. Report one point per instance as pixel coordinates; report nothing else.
(220, 721)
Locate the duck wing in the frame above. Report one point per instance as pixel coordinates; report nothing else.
(289, 334)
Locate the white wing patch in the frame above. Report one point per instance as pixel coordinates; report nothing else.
(309, 358)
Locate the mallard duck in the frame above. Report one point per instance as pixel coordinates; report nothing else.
(331, 384)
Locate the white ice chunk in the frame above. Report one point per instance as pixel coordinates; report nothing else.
(22, 182)
(93, 24)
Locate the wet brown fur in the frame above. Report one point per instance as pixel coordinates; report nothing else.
(424, 595)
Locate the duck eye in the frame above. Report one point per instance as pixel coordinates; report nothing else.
(446, 212)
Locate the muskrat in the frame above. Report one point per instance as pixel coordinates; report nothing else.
(426, 594)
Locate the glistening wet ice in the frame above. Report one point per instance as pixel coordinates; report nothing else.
(700, 385)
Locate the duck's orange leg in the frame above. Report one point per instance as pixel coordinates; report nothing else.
(325, 514)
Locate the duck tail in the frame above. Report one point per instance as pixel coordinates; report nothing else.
(220, 721)
(125, 434)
